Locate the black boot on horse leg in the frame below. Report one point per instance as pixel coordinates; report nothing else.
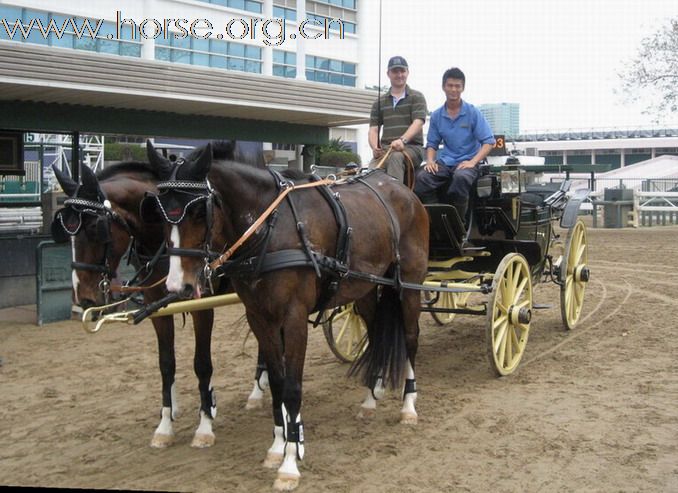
(256, 397)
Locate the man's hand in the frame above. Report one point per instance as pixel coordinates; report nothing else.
(431, 167)
(377, 153)
(397, 145)
(466, 164)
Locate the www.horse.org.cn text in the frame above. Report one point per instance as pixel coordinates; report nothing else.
(272, 32)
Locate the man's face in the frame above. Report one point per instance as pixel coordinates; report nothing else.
(398, 76)
(453, 89)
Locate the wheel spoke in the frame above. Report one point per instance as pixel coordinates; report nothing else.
(500, 336)
(580, 254)
(523, 304)
(508, 353)
(342, 331)
(500, 320)
(519, 290)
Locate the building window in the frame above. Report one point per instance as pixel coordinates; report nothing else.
(330, 71)
(346, 4)
(52, 29)
(249, 5)
(332, 24)
(284, 64)
(284, 13)
(209, 53)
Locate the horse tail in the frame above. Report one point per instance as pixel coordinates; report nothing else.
(386, 353)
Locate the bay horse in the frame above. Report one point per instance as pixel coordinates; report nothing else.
(101, 219)
(283, 272)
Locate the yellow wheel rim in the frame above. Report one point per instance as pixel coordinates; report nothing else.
(573, 275)
(345, 332)
(509, 312)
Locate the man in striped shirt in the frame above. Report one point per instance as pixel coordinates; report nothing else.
(402, 112)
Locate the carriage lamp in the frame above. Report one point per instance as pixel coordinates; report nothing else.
(512, 181)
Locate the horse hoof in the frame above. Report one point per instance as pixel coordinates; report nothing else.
(367, 413)
(286, 482)
(273, 460)
(408, 419)
(254, 404)
(203, 441)
(162, 441)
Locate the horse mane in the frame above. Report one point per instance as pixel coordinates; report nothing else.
(125, 167)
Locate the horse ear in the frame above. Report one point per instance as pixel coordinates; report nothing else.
(201, 166)
(161, 165)
(67, 184)
(90, 184)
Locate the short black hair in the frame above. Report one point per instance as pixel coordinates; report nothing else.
(454, 73)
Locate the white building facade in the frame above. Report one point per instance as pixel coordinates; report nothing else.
(270, 43)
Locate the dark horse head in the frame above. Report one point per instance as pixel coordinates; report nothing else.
(184, 197)
(100, 216)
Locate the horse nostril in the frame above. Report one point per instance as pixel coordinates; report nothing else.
(186, 291)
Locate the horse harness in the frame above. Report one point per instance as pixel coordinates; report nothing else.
(253, 259)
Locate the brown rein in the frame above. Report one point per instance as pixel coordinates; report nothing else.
(410, 166)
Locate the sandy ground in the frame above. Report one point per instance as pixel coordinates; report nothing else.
(589, 410)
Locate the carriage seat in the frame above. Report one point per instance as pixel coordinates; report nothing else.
(447, 234)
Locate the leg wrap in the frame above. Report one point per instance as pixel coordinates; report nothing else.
(294, 432)
(211, 403)
(410, 387)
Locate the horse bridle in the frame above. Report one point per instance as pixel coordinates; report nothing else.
(102, 211)
(173, 200)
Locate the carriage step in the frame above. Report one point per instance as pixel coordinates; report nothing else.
(541, 306)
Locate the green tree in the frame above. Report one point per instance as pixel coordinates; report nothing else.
(336, 153)
(652, 76)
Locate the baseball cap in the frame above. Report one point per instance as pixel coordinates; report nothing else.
(397, 62)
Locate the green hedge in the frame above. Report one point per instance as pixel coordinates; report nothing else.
(338, 158)
(115, 151)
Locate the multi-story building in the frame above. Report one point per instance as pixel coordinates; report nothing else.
(504, 118)
(293, 64)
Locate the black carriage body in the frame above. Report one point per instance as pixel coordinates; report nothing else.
(519, 221)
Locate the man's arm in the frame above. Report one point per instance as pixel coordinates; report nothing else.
(415, 127)
(373, 140)
(480, 155)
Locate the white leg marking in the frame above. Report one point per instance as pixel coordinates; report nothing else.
(204, 436)
(369, 406)
(288, 473)
(256, 397)
(164, 434)
(74, 273)
(175, 276)
(408, 415)
(176, 411)
(274, 456)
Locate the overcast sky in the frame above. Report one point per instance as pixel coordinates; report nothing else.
(558, 59)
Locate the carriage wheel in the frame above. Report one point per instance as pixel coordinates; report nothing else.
(345, 332)
(509, 311)
(574, 274)
(447, 300)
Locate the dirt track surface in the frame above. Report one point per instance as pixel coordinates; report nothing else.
(589, 410)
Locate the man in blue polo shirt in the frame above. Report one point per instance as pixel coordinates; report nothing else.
(467, 139)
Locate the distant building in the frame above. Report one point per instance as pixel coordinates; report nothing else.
(504, 118)
(615, 147)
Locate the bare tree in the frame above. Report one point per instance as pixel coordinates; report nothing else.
(652, 76)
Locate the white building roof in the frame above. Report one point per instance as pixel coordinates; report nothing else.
(659, 167)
